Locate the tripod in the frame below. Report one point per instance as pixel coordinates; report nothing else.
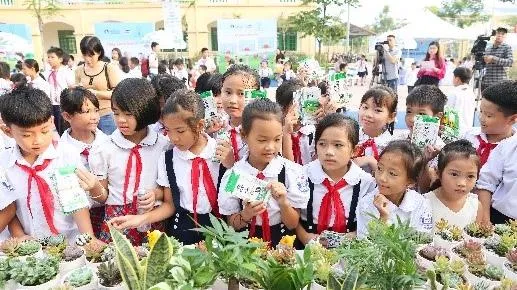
(478, 78)
(378, 75)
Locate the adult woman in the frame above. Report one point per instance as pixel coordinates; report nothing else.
(30, 68)
(116, 54)
(432, 69)
(100, 77)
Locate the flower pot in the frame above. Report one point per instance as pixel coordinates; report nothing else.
(421, 261)
(220, 284)
(479, 240)
(120, 286)
(65, 266)
(90, 286)
(10, 285)
(442, 243)
(316, 286)
(509, 273)
(473, 280)
(38, 254)
(494, 259)
(44, 286)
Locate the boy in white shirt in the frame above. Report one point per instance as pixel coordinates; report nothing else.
(411, 77)
(153, 59)
(134, 68)
(462, 98)
(179, 71)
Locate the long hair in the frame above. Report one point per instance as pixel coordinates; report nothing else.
(438, 59)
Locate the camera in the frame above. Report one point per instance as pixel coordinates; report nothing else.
(478, 50)
(379, 45)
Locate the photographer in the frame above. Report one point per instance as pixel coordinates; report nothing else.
(391, 59)
(497, 58)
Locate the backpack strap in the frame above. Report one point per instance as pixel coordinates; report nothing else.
(171, 175)
(310, 209)
(351, 222)
(107, 77)
(311, 137)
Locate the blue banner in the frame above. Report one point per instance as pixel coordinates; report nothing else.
(127, 36)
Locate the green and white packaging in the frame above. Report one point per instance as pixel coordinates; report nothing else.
(251, 95)
(309, 102)
(70, 194)
(247, 187)
(425, 130)
(451, 123)
(338, 90)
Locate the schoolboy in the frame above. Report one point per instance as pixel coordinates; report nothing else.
(462, 98)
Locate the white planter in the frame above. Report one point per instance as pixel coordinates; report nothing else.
(473, 280)
(421, 261)
(493, 259)
(50, 284)
(316, 286)
(65, 267)
(220, 284)
(90, 286)
(121, 286)
(10, 285)
(442, 243)
(479, 240)
(39, 254)
(509, 273)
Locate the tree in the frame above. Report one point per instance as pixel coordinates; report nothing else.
(462, 13)
(384, 22)
(42, 9)
(318, 23)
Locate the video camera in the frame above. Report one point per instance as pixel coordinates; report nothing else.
(478, 50)
(379, 45)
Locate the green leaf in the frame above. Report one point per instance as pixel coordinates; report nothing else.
(158, 262)
(128, 273)
(161, 286)
(123, 246)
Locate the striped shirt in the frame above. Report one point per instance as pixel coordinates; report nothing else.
(498, 70)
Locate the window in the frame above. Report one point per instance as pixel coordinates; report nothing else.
(67, 41)
(287, 40)
(213, 38)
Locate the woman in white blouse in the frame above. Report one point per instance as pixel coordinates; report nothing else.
(30, 69)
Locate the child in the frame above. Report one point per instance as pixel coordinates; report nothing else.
(452, 200)
(426, 100)
(127, 164)
(179, 71)
(397, 172)
(165, 85)
(5, 74)
(462, 98)
(235, 80)
(288, 73)
(30, 69)
(80, 109)
(27, 114)
(411, 77)
(135, 70)
(59, 77)
(211, 82)
(262, 131)
(336, 184)
(377, 115)
(498, 114)
(265, 73)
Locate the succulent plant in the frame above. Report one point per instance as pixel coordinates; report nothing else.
(457, 266)
(29, 247)
(72, 253)
(109, 274)
(482, 285)
(476, 263)
(478, 230)
(501, 229)
(513, 225)
(93, 251)
(494, 273)
(108, 253)
(442, 264)
(63, 287)
(430, 252)
(10, 247)
(456, 233)
(508, 242)
(34, 271)
(79, 277)
(56, 240)
(442, 225)
(512, 258)
(454, 280)
(83, 239)
(421, 238)
(467, 247)
(141, 252)
(4, 272)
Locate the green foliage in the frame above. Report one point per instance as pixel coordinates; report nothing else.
(193, 269)
(34, 271)
(384, 22)
(462, 13)
(80, 277)
(322, 259)
(477, 230)
(10, 247)
(4, 272)
(109, 274)
(72, 253)
(494, 273)
(93, 251)
(43, 8)
(27, 248)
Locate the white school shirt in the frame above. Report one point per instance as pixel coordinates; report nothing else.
(79, 146)
(381, 141)
(153, 63)
(182, 161)
(180, 74)
(499, 176)
(414, 207)
(6, 142)
(136, 72)
(265, 72)
(462, 99)
(472, 134)
(242, 148)
(307, 144)
(41, 84)
(36, 225)
(295, 183)
(8, 195)
(466, 215)
(110, 161)
(64, 79)
(354, 175)
(5, 86)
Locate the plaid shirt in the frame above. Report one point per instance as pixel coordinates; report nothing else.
(498, 70)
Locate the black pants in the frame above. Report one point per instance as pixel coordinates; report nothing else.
(497, 217)
(181, 226)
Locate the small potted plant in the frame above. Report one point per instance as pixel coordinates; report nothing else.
(10, 247)
(5, 278)
(322, 260)
(467, 247)
(502, 229)
(479, 232)
(448, 273)
(35, 273)
(498, 246)
(81, 279)
(93, 251)
(72, 258)
(109, 276)
(447, 236)
(480, 271)
(510, 267)
(426, 255)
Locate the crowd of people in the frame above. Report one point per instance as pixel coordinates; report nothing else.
(145, 154)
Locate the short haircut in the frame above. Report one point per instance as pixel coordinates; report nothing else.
(91, 45)
(186, 100)
(504, 95)
(204, 49)
(463, 73)
(66, 58)
(31, 63)
(246, 71)
(324, 88)
(5, 70)
(178, 61)
(411, 155)
(391, 35)
(501, 30)
(165, 85)
(209, 82)
(57, 51)
(25, 107)
(339, 120)
(135, 61)
(284, 93)
(72, 99)
(342, 65)
(138, 97)
(460, 149)
(154, 44)
(427, 95)
(261, 109)
(162, 68)
(203, 67)
(19, 80)
(72, 57)
(124, 64)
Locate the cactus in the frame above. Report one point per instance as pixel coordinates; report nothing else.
(80, 277)
(72, 253)
(512, 258)
(29, 247)
(476, 263)
(109, 274)
(93, 251)
(494, 273)
(431, 252)
(10, 247)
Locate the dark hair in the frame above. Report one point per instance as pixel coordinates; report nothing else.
(342, 65)
(134, 60)
(189, 101)
(165, 85)
(162, 68)
(91, 45)
(390, 35)
(154, 44)
(178, 61)
(284, 93)
(501, 30)
(124, 64)
(383, 97)
(463, 73)
(57, 51)
(427, 95)
(5, 70)
(18, 65)
(453, 151)
(244, 70)
(339, 120)
(31, 63)
(411, 154)
(209, 82)
(118, 52)
(504, 95)
(19, 80)
(204, 49)
(72, 57)
(66, 58)
(203, 67)
(262, 109)
(138, 97)
(72, 99)
(324, 88)
(437, 61)
(25, 107)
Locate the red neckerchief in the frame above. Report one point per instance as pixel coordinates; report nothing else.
(210, 189)
(332, 203)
